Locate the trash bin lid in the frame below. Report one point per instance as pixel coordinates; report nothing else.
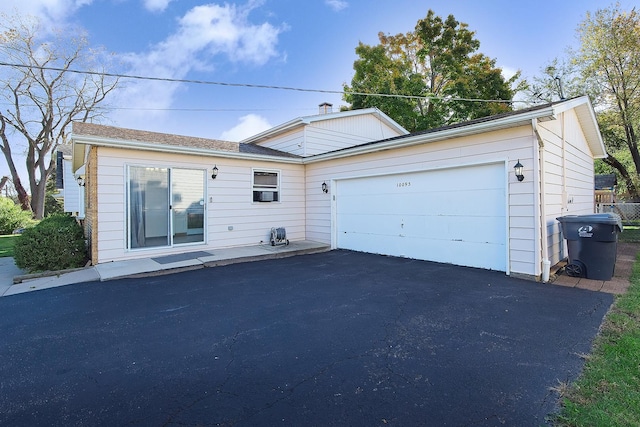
(602, 218)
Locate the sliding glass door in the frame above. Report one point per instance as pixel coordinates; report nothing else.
(155, 222)
(187, 187)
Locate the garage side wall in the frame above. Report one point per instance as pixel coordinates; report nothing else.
(491, 147)
(232, 218)
(569, 177)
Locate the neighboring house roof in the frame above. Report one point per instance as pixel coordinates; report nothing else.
(606, 181)
(307, 120)
(62, 151)
(582, 105)
(109, 136)
(65, 149)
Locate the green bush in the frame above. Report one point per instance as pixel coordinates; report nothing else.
(56, 243)
(12, 217)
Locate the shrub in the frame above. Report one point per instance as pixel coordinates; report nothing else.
(12, 217)
(56, 243)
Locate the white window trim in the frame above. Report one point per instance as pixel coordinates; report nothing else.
(127, 237)
(277, 190)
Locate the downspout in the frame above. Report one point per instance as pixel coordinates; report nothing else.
(541, 202)
(565, 196)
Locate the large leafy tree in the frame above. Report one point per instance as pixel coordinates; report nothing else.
(41, 96)
(606, 66)
(432, 76)
(609, 64)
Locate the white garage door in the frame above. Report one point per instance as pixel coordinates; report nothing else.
(455, 216)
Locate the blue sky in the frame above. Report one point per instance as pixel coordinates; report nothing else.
(295, 43)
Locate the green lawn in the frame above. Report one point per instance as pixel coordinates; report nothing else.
(6, 244)
(608, 391)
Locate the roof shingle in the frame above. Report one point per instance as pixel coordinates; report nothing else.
(122, 134)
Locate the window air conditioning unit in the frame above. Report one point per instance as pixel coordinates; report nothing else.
(266, 196)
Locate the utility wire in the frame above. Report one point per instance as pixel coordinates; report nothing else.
(254, 86)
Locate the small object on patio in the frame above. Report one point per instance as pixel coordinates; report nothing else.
(279, 236)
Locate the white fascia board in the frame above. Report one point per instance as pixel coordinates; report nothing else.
(291, 124)
(570, 104)
(390, 122)
(587, 118)
(400, 142)
(173, 149)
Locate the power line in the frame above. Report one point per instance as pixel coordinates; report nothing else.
(191, 110)
(255, 86)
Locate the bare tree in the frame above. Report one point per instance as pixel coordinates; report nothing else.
(44, 93)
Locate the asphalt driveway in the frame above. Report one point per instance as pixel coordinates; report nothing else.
(338, 338)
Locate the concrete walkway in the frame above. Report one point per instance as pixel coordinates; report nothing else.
(619, 283)
(15, 281)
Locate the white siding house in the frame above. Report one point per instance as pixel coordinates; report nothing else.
(447, 195)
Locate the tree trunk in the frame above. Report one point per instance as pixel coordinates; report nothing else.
(37, 199)
(631, 188)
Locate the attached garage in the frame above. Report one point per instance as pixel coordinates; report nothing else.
(454, 215)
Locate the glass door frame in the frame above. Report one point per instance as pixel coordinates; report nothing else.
(170, 211)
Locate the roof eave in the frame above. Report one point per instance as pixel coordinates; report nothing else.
(84, 140)
(588, 122)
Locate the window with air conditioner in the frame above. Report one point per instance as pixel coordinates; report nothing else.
(266, 186)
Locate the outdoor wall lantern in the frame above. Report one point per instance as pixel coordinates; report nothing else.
(325, 188)
(80, 180)
(518, 169)
(214, 172)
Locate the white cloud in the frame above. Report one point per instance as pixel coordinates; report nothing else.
(508, 72)
(206, 34)
(50, 12)
(248, 125)
(156, 5)
(337, 5)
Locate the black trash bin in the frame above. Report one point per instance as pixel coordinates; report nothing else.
(592, 242)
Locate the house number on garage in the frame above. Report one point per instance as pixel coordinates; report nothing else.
(404, 184)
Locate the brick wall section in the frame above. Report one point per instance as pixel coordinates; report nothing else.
(91, 204)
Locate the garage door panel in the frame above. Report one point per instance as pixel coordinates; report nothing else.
(458, 203)
(426, 202)
(473, 254)
(456, 216)
(441, 229)
(476, 229)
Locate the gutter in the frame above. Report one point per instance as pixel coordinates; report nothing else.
(540, 201)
